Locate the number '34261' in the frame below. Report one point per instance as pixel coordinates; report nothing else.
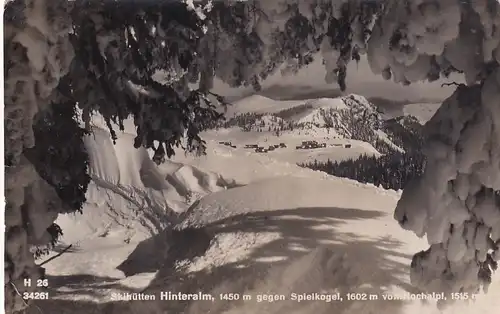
(35, 295)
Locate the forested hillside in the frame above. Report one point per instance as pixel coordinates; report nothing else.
(394, 169)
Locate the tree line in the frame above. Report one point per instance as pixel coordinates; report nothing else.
(392, 171)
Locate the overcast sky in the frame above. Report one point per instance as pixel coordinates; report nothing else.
(360, 80)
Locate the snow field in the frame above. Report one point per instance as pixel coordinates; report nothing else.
(275, 231)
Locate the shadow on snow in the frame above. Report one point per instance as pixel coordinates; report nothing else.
(268, 265)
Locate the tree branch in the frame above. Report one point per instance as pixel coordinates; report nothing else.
(56, 256)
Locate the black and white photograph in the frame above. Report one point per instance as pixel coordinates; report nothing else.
(251, 156)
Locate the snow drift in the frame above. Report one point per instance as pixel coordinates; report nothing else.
(130, 195)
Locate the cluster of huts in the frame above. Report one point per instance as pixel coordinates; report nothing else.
(304, 145)
(315, 144)
(228, 144)
(310, 144)
(342, 145)
(262, 149)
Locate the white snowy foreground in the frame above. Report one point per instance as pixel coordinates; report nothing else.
(251, 225)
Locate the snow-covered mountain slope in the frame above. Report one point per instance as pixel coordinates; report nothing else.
(260, 104)
(337, 122)
(286, 236)
(133, 198)
(269, 229)
(280, 192)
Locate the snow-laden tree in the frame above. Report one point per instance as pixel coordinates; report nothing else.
(454, 203)
(100, 57)
(37, 55)
(106, 56)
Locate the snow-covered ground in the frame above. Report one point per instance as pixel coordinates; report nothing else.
(311, 116)
(335, 149)
(247, 224)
